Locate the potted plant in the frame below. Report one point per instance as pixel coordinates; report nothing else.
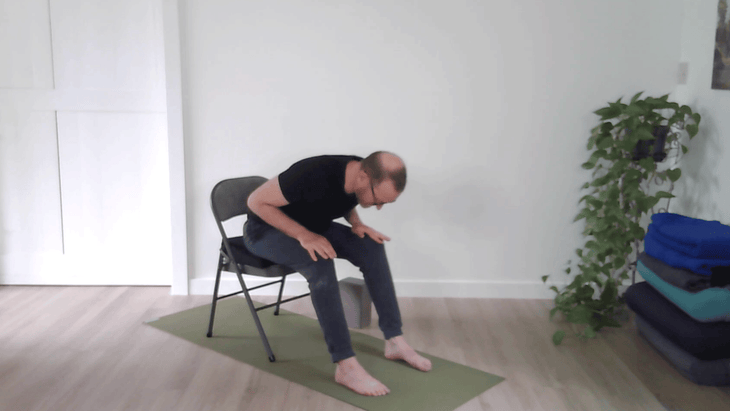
(626, 148)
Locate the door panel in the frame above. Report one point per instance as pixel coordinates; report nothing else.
(108, 45)
(115, 195)
(30, 204)
(25, 44)
(84, 178)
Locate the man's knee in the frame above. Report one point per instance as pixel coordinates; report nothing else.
(320, 274)
(373, 247)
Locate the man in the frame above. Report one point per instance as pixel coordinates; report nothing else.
(291, 224)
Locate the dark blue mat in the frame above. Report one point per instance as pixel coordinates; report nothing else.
(706, 341)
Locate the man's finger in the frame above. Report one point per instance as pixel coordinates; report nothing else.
(377, 239)
(313, 255)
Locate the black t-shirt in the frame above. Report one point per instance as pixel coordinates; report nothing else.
(315, 190)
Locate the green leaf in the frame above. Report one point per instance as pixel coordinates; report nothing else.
(684, 149)
(610, 292)
(644, 134)
(589, 332)
(567, 270)
(674, 174)
(620, 165)
(602, 181)
(585, 292)
(544, 278)
(586, 185)
(619, 262)
(588, 165)
(577, 281)
(558, 337)
(604, 142)
(598, 154)
(608, 113)
(554, 288)
(636, 230)
(635, 110)
(579, 252)
(583, 214)
(632, 174)
(647, 163)
(611, 323)
(613, 193)
(696, 117)
(636, 97)
(580, 315)
(595, 203)
(591, 141)
(664, 194)
(692, 129)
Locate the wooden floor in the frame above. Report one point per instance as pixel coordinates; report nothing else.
(87, 348)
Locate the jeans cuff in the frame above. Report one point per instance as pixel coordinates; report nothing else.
(388, 334)
(337, 357)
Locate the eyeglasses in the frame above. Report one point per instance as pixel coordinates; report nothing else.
(375, 200)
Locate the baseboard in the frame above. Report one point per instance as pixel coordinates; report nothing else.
(404, 288)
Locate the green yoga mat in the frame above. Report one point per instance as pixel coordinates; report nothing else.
(302, 357)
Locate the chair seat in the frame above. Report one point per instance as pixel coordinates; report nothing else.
(252, 264)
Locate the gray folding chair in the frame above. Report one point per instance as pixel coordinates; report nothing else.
(227, 200)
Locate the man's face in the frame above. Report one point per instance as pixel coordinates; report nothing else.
(379, 195)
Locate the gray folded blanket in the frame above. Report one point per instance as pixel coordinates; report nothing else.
(678, 277)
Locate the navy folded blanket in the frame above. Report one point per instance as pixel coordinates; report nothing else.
(693, 237)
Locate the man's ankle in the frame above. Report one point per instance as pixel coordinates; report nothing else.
(349, 361)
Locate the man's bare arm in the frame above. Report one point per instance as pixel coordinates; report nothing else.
(265, 202)
(353, 218)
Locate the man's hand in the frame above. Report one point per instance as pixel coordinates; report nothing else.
(313, 242)
(361, 230)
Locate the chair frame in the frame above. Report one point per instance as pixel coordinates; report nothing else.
(227, 262)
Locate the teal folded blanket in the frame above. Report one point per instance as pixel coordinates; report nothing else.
(709, 305)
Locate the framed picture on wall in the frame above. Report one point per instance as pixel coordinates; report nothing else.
(721, 67)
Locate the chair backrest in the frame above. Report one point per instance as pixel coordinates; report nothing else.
(228, 198)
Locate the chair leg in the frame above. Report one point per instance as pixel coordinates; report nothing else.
(215, 296)
(281, 291)
(256, 318)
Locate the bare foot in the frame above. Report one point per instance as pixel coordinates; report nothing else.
(351, 374)
(397, 349)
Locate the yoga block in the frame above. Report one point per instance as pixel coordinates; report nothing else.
(356, 302)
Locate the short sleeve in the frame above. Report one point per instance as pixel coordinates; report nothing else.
(303, 181)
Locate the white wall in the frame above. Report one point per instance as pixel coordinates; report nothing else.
(489, 103)
(704, 189)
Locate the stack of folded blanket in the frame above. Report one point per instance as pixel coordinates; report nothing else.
(683, 308)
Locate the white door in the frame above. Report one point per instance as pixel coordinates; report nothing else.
(84, 177)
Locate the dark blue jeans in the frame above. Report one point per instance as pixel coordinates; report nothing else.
(269, 243)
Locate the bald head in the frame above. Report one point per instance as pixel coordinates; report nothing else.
(390, 162)
(382, 166)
